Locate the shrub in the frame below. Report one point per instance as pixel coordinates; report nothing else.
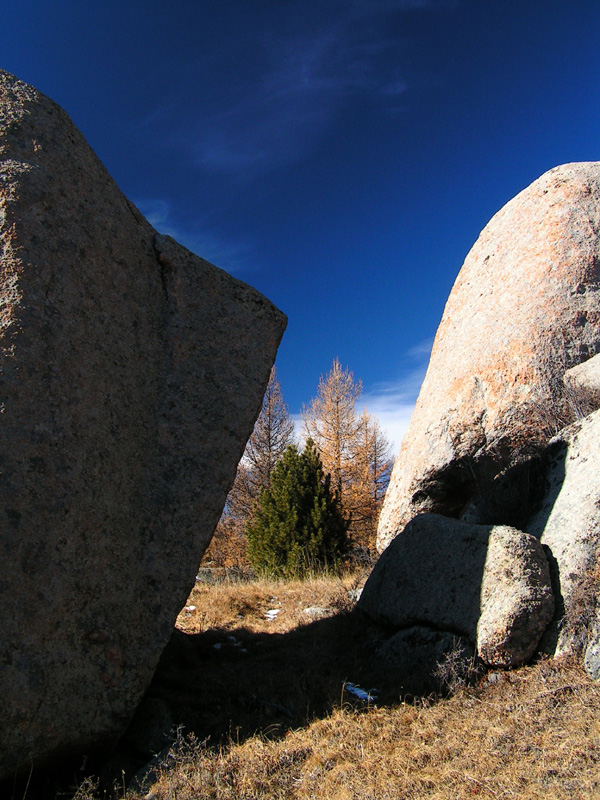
(298, 526)
(560, 400)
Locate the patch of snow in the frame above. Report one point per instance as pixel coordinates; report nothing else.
(272, 613)
(366, 696)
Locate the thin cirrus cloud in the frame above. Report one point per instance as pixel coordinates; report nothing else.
(260, 101)
(393, 402)
(227, 255)
(307, 78)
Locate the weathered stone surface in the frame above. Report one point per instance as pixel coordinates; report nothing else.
(426, 660)
(517, 601)
(488, 583)
(131, 372)
(585, 375)
(525, 307)
(568, 524)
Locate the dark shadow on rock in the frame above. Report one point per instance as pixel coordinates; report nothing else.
(511, 497)
(449, 490)
(549, 640)
(503, 484)
(552, 473)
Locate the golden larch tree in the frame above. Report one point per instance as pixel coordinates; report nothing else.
(353, 448)
(331, 422)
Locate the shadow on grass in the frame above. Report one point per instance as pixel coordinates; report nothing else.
(230, 684)
(224, 685)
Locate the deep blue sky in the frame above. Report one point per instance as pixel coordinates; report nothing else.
(340, 155)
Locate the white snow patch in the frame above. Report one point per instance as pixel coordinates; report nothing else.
(362, 694)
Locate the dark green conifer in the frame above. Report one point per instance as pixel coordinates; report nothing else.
(298, 525)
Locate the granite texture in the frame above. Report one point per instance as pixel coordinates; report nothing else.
(525, 308)
(131, 373)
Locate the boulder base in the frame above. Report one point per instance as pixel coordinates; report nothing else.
(425, 660)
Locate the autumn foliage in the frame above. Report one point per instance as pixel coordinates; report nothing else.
(355, 465)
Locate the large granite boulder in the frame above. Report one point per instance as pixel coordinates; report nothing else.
(487, 584)
(131, 373)
(568, 525)
(525, 308)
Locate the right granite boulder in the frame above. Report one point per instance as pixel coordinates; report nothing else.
(524, 309)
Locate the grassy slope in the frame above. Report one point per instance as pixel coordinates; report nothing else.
(271, 719)
(533, 733)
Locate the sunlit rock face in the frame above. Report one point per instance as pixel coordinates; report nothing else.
(567, 522)
(131, 373)
(487, 584)
(525, 307)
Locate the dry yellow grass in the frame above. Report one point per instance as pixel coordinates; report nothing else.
(265, 714)
(230, 604)
(535, 734)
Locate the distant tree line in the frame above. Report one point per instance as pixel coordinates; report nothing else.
(293, 509)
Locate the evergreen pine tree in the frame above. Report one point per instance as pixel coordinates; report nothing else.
(298, 525)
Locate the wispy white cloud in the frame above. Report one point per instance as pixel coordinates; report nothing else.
(278, 111)
(229, 256)
(421, 351)
(393, 402)
(393, 408)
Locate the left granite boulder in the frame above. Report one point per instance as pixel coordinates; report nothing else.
(131, 374)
